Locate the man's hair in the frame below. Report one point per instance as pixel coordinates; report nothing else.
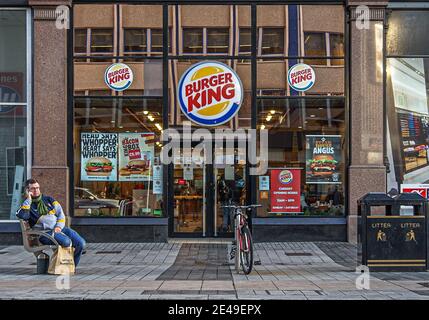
(30, 181)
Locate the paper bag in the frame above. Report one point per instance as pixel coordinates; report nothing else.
(62, 261)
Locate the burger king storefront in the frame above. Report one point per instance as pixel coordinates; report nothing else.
(138, 70)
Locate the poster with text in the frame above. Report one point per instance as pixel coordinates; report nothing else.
(136, 151)
(285, 190)
(99, 153)
(323, 159)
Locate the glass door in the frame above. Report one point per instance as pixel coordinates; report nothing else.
(190, 199)
(229, 187)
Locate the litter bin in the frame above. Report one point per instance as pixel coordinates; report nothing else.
(42, 263)
(393, 242)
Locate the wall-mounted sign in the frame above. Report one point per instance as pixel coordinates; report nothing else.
(301, 77)
(210, 93)
(323, 159)
(285, 190)
(136, 151)
(118, 77)
(99, 152)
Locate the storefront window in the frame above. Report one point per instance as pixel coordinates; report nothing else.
(117, 127)
(117, 147)
(13, 109)
(306, 138)
(408, 82)
(407, 103)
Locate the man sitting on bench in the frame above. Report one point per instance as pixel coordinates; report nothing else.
(44, 213)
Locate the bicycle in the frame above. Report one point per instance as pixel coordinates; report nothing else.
(243, 238)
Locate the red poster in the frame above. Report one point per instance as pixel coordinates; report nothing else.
(286, 190)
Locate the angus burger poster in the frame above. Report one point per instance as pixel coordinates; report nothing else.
(323, 159)
(99, 152)
(136, 152)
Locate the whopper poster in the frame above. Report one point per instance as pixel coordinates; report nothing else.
(99, 153)
(323, 159)
(136, 151)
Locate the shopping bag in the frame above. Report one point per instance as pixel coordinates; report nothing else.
(62, 261)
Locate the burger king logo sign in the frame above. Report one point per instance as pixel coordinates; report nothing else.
(285, 177)
(210, 93)
(118, 77)
(301, 77)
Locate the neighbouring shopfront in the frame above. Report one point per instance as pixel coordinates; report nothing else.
(306, 73)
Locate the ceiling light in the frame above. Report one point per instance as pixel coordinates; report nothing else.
(151, 118)
(145, 112)
(273, 111)
(158, 126)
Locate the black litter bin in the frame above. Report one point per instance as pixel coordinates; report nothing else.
(393, 242)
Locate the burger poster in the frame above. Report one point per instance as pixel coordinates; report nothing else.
(323, 154)
(136, 152)
(99, 152)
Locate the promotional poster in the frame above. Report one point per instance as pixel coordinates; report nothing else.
(285, 190)
(323, 159)
(136, 152)
(99, 152)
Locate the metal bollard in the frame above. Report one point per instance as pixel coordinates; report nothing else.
(42, 263)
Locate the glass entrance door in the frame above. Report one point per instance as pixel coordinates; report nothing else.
(190, 199)
(200, 191)
(230, 187)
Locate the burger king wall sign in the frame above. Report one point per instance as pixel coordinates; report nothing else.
(118, 77)
(210, 93)
(301, 77)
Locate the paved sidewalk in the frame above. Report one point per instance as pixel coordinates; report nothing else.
(189, 270)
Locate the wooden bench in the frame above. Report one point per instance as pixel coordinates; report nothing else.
(30, 239)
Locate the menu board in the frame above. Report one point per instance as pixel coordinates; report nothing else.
(99, 156)
(323, 159)
(136, 151)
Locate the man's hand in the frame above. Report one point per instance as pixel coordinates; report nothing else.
(28, 194)
(57, 230)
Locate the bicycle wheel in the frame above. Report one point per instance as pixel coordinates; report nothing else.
(246, 250)
(237, 245)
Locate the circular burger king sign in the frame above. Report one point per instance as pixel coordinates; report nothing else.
(210, 93)
(285, 177)
(301, 77)
(118, 77)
